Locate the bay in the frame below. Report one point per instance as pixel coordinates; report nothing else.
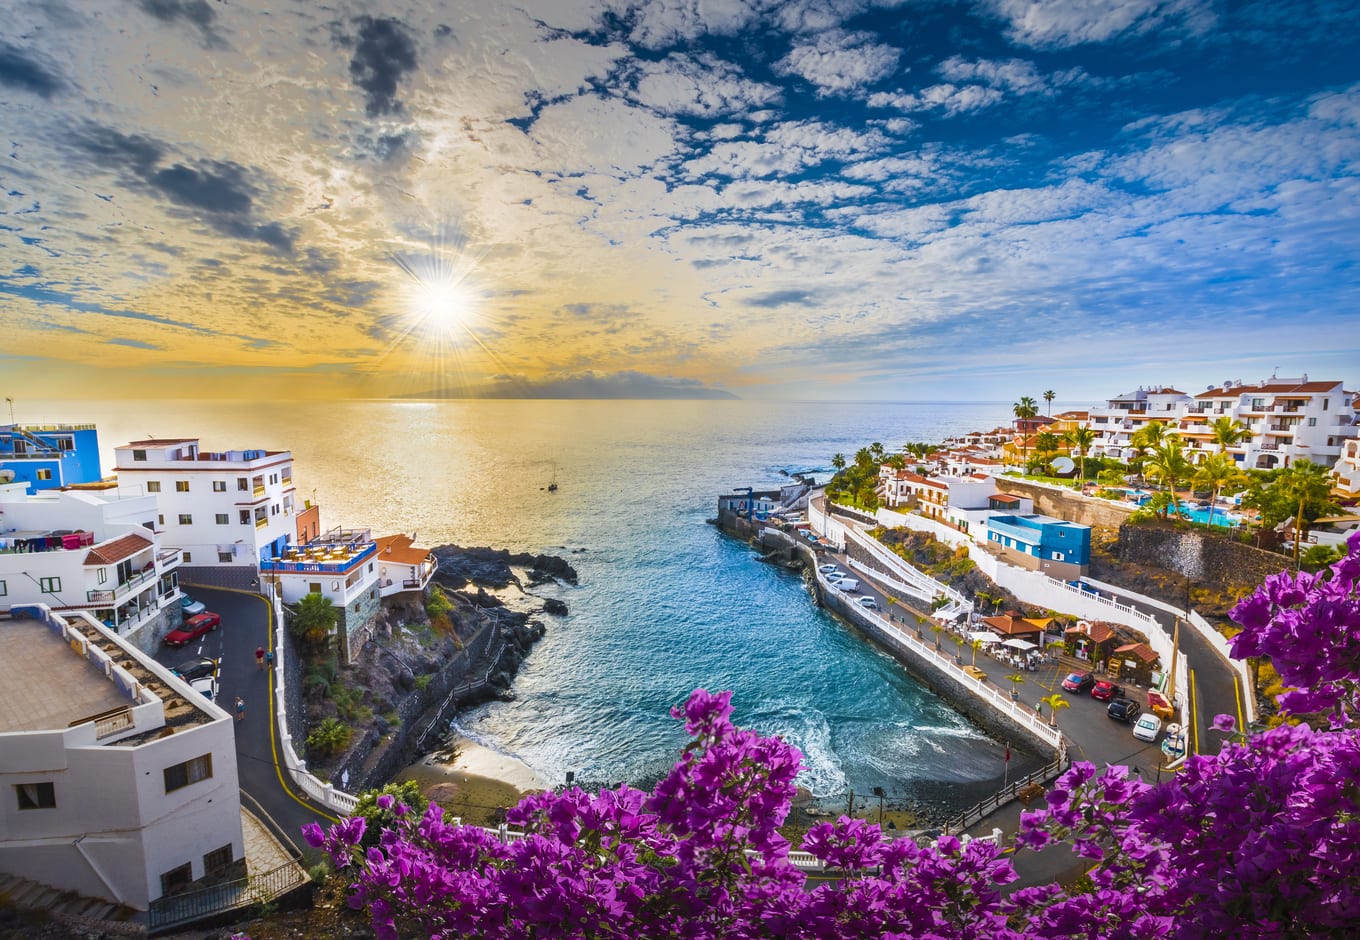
(665, 602)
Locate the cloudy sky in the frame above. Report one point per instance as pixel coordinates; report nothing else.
(820, 199)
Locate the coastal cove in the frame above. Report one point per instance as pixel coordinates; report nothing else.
(665, 603)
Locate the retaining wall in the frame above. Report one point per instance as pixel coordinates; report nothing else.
(1199, 556)
(1068, 504)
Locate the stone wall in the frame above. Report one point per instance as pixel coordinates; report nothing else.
(1068, 504)
(355, 624)
(1198, 556)
(240, 577)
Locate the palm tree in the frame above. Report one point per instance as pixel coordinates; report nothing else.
(1054, 702)
(1309, 485)
(977, 645)
(1229, 431)
(1080, 440)
(959, 639)
(935, 629)
(1024, 409)
(1217, 471)
(313, 619)
(1048, 399)
(1016, 679)
(1168, 465)
(1045, 446)
(838, 461)
(876, 449)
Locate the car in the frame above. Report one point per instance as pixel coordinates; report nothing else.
(1105, 690)
(191, 606)
(1147, 727)
(829, 570)
(192, 669)
(1078, 681)
(192, 629)
(206, 685)
(1123, 709)
(848, 585)
(867, 602)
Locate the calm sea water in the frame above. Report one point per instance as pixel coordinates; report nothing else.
(665, 602)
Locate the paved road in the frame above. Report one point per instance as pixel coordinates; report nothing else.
(266, 788)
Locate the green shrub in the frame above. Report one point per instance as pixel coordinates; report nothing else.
(423, 682)
(330, 737)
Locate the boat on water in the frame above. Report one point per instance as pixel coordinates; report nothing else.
(552, 484)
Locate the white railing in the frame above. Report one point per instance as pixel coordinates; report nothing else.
(1002, 704)
(924, 582)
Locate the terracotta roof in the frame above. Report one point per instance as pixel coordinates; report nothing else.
(1099, 631)
(1270, 388)
(1140, 650)
(1011, 626)
(1004, 498)
(111, 553)
(398, 548)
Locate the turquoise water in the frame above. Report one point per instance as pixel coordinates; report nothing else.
(665, 602)
(1202, 516)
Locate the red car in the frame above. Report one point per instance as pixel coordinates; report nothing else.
(1078, 681)
(1105, 690)
(192, 629)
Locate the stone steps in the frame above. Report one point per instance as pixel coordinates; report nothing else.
(21, 894)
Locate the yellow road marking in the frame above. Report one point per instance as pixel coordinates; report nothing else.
(1194, 715)
(1237, 689)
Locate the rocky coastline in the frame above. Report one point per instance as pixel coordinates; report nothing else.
(463, 646)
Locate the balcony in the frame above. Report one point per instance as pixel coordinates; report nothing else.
(257, 489)
(261, 522)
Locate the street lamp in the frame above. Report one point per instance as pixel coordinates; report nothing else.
(878, 792)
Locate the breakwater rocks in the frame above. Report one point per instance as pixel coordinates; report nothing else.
(413, 676)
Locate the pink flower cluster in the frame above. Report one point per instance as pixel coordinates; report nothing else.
(1261, 840)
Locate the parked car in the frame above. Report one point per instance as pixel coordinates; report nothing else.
(830, 570)
(848, 585)
(1123, 709)
(192, 629)
(867, 602)
(192, 669)
(191, 606)
(207, 686)
(1147, 727)
(1105, 690)
(1078, 681)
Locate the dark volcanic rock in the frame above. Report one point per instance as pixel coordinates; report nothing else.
(552, 605)
(491, 566)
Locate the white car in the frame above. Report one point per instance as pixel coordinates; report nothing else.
(1147, 727)
(867, 602)
(207, 685)
(828, 569)
(191, 606)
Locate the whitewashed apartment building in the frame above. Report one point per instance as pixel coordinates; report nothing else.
(225, 510)
(117, 781)
(90, 550)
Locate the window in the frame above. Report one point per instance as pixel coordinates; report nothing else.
(191, 771)
(181, 486)
(273, 478)
(223, 519)
(224, 557)
(153, 486)
(217, 859)
(219, 486)
(188, 557)
(177, 879)
(1312, 422)
(102, 575)
(314, 587)
(139, 455)
(242, 483)
(186, 519)
(50, 585)
(160, 518)
(274, 509)
(3, 590)
(44, 474)
(1325, 401)
(41, 795)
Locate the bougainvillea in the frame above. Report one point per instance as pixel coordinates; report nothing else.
(1261, 840)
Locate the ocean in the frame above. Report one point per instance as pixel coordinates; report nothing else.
(665, 603)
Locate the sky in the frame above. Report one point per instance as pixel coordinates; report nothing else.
(809, 200)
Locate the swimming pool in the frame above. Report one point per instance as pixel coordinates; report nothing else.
(1194, 514)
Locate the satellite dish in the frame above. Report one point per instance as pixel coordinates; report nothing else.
(1062, 466)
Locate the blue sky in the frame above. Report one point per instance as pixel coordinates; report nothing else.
(819, 200)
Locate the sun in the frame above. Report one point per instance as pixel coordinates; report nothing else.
(443, 305)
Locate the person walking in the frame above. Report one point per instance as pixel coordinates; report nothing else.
(269, 659)
(259, 657)
(240, 708)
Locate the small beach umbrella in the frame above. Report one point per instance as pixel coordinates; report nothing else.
(1020, 645)
(984, 636)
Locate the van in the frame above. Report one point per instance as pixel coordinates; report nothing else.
(848, 585)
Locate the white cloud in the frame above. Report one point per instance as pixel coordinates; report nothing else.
(838, 61)
(663, 23)
(593, 134)
(951, 99)
(1063, 23)
(701, 85)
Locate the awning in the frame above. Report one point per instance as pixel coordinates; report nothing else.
(1021, 645)
(984, 636)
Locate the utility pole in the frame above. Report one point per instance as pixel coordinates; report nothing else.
(878, 792)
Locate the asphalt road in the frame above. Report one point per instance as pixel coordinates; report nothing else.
(266, 788)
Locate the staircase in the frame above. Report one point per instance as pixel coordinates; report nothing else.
(93, 914)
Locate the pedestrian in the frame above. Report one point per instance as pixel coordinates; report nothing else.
(240, 708)
(269, 658)
(259, 657)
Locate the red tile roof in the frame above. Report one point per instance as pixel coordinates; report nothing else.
(1139, 650)
(1270, 388)
(111, 553)
(1011, 626)
(398, 548)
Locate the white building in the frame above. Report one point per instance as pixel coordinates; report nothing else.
(1346, 473)
(403, 567)
(225, 511)
(89, 550)
(1121, 417)
(1289, 419)
(117, 781)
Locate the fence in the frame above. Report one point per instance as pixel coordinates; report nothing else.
(195, 905)
(1007, 794)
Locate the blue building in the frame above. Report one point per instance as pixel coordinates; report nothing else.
(49, 456)
(1041, 543)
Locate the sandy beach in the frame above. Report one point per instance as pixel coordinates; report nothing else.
(478, 785)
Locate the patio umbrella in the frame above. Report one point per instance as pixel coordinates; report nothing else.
(1020, 645)
(984, 636)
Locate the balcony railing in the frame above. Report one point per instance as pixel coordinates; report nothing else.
(258, 489)
(261, 522)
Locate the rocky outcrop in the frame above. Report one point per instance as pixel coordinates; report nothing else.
(492, 567)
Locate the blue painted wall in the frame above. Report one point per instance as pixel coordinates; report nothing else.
(1042, 537)
(44, 456)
